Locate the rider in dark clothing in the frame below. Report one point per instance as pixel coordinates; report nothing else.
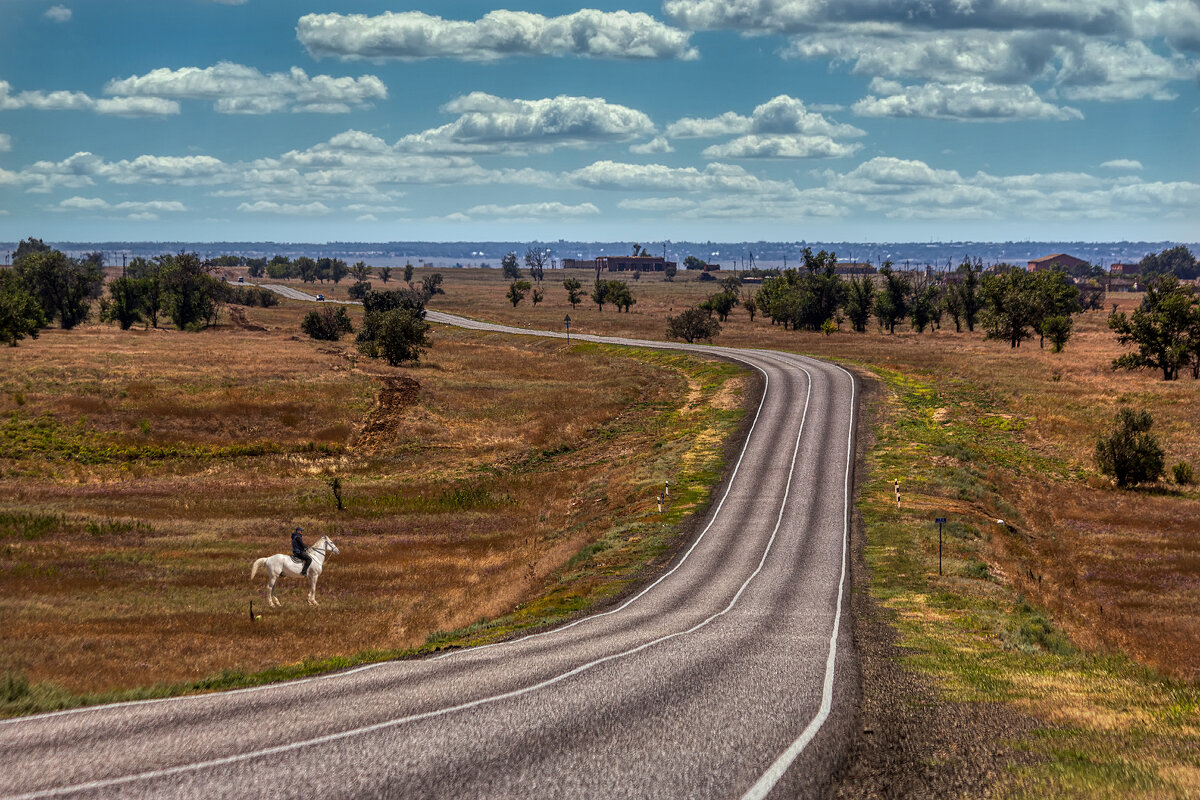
(300, 551)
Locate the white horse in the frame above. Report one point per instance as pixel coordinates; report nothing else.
(287, 564)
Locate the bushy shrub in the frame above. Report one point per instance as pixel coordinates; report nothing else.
(1130, 453)
(1184, 475)
(328, 324)
(358, 290)
(398, 335)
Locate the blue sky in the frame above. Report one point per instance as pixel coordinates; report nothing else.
(867, 120)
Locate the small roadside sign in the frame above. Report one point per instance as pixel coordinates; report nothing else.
(940, 520)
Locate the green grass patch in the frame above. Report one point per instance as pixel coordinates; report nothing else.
(1113, 729)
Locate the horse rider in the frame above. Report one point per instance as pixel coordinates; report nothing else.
(300, 550)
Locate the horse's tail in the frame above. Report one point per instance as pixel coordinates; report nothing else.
(257, 564)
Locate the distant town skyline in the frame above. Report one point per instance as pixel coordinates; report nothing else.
(777, 120)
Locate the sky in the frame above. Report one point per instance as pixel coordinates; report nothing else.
(785, 120)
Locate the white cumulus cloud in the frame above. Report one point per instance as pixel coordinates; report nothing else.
(653, 147)
(313, 209)
(779, 115)
(782, 127)
(1122, 164)
(971, 101)
(487, 123)
(498, 34)
(715, 177)
(5, 143)
(781, 146)
(58, 14)
(131, 206)
(912, 189)
(551, 210)
(79, 101)
(239, 89)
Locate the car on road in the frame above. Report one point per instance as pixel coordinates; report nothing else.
(241, 279)
(320, 297)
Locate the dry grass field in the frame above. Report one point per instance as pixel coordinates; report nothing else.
(1118, 569)
(505, 480)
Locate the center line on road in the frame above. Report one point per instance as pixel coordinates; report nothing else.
(763, 786)
(240, 757)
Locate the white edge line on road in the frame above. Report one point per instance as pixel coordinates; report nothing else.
(392, 723)
(378, 664)
(763, 786)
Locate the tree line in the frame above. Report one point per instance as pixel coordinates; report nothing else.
(1010, 303)
(45, 287)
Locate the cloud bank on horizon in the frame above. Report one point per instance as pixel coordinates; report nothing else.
(743, 119)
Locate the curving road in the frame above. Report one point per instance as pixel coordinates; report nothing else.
(732, 675)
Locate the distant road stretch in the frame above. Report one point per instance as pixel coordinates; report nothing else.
(731, 675)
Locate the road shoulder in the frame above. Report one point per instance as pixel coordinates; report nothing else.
(907, 740)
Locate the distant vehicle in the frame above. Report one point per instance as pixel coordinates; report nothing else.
(320, 297)
(241, 279)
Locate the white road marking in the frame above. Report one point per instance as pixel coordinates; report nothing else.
(766, 782)
(292, 746)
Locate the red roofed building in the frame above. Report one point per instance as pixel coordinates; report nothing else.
(1062, 260)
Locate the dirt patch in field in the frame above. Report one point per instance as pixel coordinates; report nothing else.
(237, 316)
(380, 432)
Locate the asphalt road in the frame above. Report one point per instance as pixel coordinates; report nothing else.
(732, 675)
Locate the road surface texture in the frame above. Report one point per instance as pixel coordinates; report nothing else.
(731, 675)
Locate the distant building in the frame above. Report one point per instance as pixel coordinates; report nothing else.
(633, 263)
(1062, 260)
(1123, 269)
(1121, 285)
(578, 263)
(854, 268)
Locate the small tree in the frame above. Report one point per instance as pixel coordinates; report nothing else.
(720, 304)
(619, 295)
(691, 262)
(751, 306)
(893, 301)
(510, 268)
(397, 336)
(327, 324)
(408, 273)
(190, 293)
(1166, 329)
(535, 259)
(669, 271)
(432, 284)
(1010, 306)
(517, 290)
(860, 297)
(64, 287)
(20, 313)
(125, 303)
(574, 291)
(537, 296)
(360, 271)
(692, 324)
(600, 293)
(1130, 453)
(358, 290)
(1058, 331)
(385, 274)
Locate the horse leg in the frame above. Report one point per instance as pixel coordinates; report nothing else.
(272, 600)
(312, 589)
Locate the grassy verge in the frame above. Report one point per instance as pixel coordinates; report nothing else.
(607, 544)
(1111, 728)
